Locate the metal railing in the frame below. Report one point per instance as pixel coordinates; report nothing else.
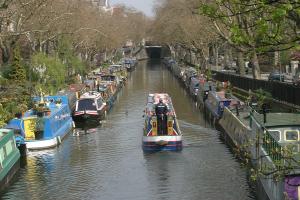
(272, 147)
(280, 91)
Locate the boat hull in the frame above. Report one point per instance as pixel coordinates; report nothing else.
(9, 177)
(48, 143)
(162, 143)
(88, 117)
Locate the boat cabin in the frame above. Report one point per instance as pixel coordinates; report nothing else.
(216, 101)
(89, 101)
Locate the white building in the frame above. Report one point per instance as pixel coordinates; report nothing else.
(102, 4)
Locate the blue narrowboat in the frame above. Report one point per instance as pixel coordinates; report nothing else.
(154, 138)
(216, 102)
(46, 124)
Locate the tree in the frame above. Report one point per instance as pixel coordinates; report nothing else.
(18, 72)
(176, 24)
(252, 27)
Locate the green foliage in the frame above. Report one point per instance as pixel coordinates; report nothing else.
(258, 26)
(4, 115)
(263, 96)
(52, 72)
(66, 54)
(208, 74)
(209, 10)
(18, 72)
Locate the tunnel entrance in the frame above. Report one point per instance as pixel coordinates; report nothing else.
(154, 52)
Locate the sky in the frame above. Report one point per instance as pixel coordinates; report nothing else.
(143, 5)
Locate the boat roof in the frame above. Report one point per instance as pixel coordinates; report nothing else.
(90, 95)
(55, 98)
(220, 95)
(115, 65)
(156, 96)
(195, 80)
(76, 87)
(154, 99)
(278, 119)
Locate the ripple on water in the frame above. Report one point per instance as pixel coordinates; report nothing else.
(107, 162)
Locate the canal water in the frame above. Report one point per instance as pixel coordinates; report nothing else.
(107, 162)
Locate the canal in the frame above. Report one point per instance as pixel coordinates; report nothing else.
(107, 162)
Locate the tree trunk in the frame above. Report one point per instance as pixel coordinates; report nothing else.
(241, 63)
(227, 62)
(255, 66)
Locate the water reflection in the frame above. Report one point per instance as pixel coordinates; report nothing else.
(107, 162)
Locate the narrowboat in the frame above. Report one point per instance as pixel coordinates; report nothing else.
(9, 158)
(216, 102)
(194, 87)
(189, 73)
(111, 79)
(46, 124)
(178, 71)
(120, 71)
(78, 88)
(129, 64)
(108, 92)
(90, 106)
(276, 154)
(204, 88)
(271, 142)
(164, 135)
(90, 84)
(168, 62)
(72, 97)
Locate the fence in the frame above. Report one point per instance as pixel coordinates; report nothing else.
(280, 91)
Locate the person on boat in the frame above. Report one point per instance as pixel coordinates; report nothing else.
(161, 110)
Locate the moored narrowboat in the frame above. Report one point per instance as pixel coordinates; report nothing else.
(277, 154)
(216, 102)
(9, 158)
(271, 142)
(129, 64)
(204, 88)
(45, 125)
(161, 133)
(194, 87)
(90, 106)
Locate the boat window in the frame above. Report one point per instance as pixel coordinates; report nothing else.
(86, 104)
(291, 135)
(275, 134)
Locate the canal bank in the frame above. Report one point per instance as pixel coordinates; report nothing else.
(107, 162)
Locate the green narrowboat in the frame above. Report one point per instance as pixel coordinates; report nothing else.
(9, 157)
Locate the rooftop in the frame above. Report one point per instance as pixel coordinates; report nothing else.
(279, 119)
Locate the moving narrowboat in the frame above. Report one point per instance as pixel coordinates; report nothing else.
(164, 134)
(9, 157)
(90, 106)
(46, 124)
